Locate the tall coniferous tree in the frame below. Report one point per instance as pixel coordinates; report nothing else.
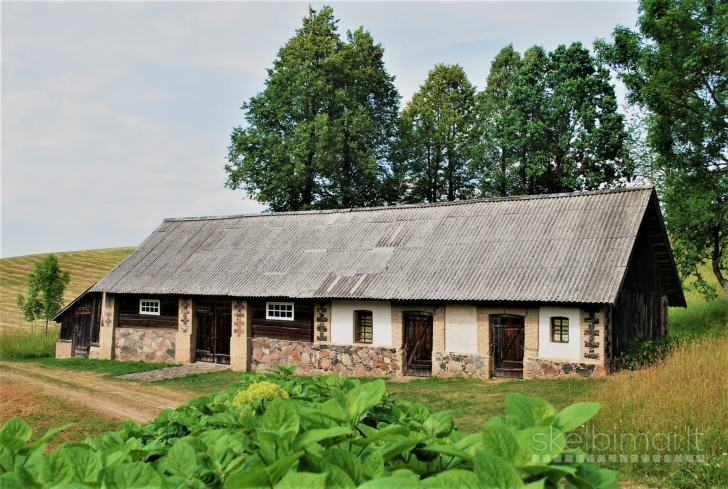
(319, 135)
(437, 136)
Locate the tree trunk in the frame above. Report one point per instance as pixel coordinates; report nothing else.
(717, 254)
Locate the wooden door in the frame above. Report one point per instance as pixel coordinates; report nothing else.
(507, 346)
(82, 331)
(418, 343)
(214, 328)
(85, 317)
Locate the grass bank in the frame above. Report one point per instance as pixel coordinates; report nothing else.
(86, 267)
(17, 344)
(111, 368)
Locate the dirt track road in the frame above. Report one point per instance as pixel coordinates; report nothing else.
(110, 398)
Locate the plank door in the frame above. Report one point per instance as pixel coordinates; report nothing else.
(418, 344)
(214, 328)
(508, 346)
(86, 319)
(82, 331)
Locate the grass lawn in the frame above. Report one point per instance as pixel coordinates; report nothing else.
(44, 412)
(111, 368)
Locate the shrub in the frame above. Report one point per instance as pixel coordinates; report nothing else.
(640, 353)
(331, 432)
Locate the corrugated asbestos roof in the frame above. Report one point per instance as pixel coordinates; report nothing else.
(559, 247)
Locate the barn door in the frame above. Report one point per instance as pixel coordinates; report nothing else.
(82, 331)
(418, 344)
(214, 328)
(507, 347)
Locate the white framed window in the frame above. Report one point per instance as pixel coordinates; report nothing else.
(282, 311)
(149, 306)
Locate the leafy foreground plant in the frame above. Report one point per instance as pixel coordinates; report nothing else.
(330, 432)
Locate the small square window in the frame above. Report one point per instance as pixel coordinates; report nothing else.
(279, 310)
(149, 306)
(560, 330)
(363, 326)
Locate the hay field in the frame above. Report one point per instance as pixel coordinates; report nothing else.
(86, 267)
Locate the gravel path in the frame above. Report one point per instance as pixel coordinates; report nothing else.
(172, 372)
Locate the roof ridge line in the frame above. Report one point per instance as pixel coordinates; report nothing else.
(424, 205)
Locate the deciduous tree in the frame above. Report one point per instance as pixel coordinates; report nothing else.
(320, 134)
(46, 286)
(676, 67)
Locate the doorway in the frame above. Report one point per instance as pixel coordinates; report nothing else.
(507, 347)
(418, 343)
(214, 328)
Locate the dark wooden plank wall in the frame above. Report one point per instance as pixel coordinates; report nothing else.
(86, 314)
(639, 310)
(129, 316)
(300, 329)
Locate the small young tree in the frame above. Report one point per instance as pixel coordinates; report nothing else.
(45, 291)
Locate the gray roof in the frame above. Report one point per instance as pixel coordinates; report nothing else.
(558, 247)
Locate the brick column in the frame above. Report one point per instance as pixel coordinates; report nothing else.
(398, 335)
(240, 342)
(484, 340)
(438, 329)
(322, 322)
(109, 322)
(530, 323)
(186, 341)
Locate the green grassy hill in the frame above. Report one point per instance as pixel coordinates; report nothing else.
(86, 267)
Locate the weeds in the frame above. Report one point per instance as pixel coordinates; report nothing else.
(23, 344)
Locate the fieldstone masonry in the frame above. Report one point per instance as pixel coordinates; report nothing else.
(321, 358)
(149, 345)
(536, 367)
(469, 366)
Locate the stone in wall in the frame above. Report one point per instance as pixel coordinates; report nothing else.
(535, 367)
(320, 358)
(467, 365)
(148, 345)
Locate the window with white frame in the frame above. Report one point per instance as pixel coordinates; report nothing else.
(149, 306)
(279, 310)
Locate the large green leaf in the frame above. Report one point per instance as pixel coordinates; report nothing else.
(182, 460)
(500, 441)
(345, 460)
(519, 408)
(134, 475)
(86, 464)
(315, 436)
(493, 471)
(439, 424)
(449, 450)
(301, 480)
(19, 479)
(460, 479)
(541, 441)
(253, 478)
(280, 467)
(57, 468)
(571, 417)
(363, 397)
(376, 435)
(373, 465)
(280, 415)
(15, 434)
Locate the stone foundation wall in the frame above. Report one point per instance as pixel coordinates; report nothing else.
(64, 349)
(149, 345)
(321, 358)
(467, 365)
(535, 367)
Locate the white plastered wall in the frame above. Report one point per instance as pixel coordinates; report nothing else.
(461, 328)
(558, 351)
(342, 321)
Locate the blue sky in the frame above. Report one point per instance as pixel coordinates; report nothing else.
(116, 115)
